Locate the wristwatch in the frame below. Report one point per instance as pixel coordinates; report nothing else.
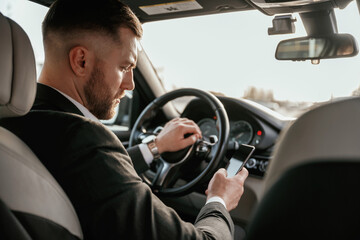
(150, 141)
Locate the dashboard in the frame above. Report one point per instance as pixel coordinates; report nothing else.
(241, 131)
(250, 123)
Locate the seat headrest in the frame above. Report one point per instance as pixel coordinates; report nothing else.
(17, 70)
(324, 134)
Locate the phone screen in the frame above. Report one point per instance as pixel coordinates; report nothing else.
(239, 159)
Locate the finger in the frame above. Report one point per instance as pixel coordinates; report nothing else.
(189, 122)
(174, 120)
(183, 119)
(222, 171)
(184, 122)
(189, 141)
(191, 129)
(193, 124)
(243, 174)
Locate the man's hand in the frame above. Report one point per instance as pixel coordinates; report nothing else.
(172, 139)
(229, 189)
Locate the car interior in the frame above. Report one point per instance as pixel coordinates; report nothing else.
(303, 174)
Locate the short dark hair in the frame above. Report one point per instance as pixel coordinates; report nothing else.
(104, 16)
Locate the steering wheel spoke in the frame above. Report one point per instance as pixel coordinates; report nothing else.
(166, 175)
(143, 133)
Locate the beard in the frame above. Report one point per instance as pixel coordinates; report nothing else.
(98, 96)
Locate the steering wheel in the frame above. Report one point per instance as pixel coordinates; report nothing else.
(171, 164)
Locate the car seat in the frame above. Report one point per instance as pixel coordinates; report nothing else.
(312, 185)
(32, 204)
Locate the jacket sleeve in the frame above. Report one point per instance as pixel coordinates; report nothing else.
(114, 203)
(138, 159)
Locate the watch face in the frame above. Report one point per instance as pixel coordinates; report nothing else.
(150, 142)
(148, 139)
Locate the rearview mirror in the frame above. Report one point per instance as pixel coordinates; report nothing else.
(315, 48)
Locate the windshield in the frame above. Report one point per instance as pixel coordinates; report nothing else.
(232, 54)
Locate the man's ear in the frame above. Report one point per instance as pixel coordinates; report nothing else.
(80, 59)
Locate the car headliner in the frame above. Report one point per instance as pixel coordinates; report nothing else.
(205, 7)
(208, 7)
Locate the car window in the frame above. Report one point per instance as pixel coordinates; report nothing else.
(229, 54)
(232, 54)
(29, 16)
(18, 10)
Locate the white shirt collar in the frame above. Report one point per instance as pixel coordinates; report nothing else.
(81, 108)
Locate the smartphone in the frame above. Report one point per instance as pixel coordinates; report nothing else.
(241, 155)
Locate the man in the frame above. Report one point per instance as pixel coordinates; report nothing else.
(90, 52)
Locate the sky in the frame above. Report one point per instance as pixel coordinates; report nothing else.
(227, 53)
(232, 62)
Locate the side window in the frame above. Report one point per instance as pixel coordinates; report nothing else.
(29, 16)
(121, 120)
(31, 23)
(123, 117)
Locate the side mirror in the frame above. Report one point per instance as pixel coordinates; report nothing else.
(316, 48)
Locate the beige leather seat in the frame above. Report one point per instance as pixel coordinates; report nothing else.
(32, 204)
(312, 188)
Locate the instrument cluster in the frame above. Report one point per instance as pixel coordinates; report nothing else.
(241, 131)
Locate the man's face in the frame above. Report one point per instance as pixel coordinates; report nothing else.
(100, 102)
(111, 75)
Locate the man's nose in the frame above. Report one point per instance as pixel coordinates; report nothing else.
(128, 81)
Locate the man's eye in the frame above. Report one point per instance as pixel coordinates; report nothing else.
(125, 69)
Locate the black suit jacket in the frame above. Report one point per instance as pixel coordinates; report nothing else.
(49, 99)
(97, 174)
